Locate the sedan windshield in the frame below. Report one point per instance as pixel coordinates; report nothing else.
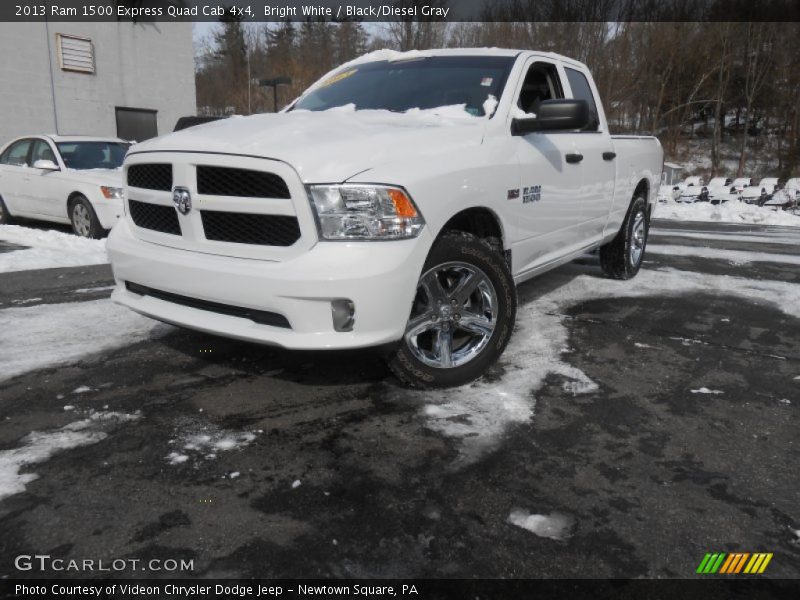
(422, 83)
(92, 155)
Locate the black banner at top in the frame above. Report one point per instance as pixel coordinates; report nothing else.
(451, 11)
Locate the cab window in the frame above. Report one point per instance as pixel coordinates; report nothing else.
(17, 154)
(582, 91)
(541, 83)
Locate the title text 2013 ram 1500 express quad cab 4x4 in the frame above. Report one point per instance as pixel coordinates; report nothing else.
(395, 203)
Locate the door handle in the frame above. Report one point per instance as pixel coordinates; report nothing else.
(574, 157)
(609, 155)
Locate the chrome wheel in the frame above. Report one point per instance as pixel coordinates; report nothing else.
(453, 317)
(637, 239)
(81, 219)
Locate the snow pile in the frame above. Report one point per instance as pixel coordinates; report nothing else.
(736, 257)
(479, 414)
(489, 105)
(48, 249)
(729, 212)
(348, 116)
(204, 440)
(47, 335)
(554, 526)
(40, 446)
(705, 390)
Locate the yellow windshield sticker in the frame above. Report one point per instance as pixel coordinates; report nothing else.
(337, 78)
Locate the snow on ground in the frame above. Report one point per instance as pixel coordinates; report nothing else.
(47, 335)
(48, 249)
(705, 390)
(92, 290)
(736, 257)
(786, 237)
(203, 440)
(478, 414)
(39, 446)
(555, 526)
(730, 212)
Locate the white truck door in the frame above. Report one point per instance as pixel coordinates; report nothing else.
(545, 208)
(13, 170)
(599, 159)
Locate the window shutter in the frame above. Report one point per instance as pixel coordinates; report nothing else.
(75, 53)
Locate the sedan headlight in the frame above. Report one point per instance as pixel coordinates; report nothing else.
(112, 193)
(364, 212)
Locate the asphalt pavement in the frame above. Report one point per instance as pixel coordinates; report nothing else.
(253, 461)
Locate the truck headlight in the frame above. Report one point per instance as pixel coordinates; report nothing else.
(112, 193)
(364, 212)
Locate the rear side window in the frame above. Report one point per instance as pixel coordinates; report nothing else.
(17, 154)
(582, 91)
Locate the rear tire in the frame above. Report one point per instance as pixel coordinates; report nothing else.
(462, 317)
(5, 216)
(622, 257)
(84, 220)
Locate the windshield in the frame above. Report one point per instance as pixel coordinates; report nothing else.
(417, 83)
(92, 155)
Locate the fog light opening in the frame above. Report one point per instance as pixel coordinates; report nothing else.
(343, 311)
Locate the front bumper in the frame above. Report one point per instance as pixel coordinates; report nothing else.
(380, 278)
(108, 211)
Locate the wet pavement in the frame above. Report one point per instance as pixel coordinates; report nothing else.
(254, 461)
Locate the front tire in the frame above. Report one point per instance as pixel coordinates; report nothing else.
(622, 257)
(83, 218)
(462, 317)
(5, 216)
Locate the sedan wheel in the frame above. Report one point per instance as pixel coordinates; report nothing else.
(84, 221)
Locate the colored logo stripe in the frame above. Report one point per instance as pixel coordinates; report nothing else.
(734, 563)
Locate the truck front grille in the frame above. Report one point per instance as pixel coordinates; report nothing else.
(263, 317)
(155, 217)
(248, 228)
(225, 181)
(156, 176)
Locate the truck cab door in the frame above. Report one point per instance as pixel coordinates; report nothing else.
(545, 206)
(598, 163)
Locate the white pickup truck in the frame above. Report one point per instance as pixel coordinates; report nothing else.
(395, 204)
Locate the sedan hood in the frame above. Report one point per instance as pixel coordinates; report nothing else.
(330, 146)
(108, 177)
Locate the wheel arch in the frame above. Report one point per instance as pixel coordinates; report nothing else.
(481, 222)
(643, 189)
(72, 197)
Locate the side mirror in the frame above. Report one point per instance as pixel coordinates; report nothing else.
(555, 115)
(45, 165)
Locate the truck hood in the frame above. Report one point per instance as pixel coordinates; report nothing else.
(330, 146)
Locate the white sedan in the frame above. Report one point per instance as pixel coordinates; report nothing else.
(75, 180)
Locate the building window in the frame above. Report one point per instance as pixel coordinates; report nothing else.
(75, 53)
(136, 123)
